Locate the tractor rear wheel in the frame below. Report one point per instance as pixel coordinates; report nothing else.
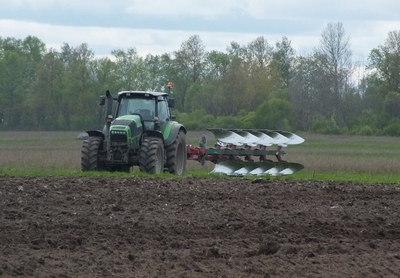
(90, 155)
(151, 157)
(176, 155)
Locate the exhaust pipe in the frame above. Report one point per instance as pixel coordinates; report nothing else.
(109, 114)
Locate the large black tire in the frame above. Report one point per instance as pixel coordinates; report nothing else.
(177, 155)
(90, 158)
(151, 156)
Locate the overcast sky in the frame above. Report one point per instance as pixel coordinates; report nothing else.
(160, 26)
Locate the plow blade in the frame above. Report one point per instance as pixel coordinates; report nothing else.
(291, 169)
(263, 137)
(293, 139)
(249, 138)
(224, 136)
(227, 168)
(243, 168)
(267, 167)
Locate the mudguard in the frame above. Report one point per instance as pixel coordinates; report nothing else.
(171, 131)
(154, 133)
(97, 133)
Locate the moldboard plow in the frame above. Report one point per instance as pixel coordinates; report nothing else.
(241, 152)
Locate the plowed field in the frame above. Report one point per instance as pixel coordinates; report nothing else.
(151, 227)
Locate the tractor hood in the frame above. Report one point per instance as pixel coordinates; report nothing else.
(127, 126)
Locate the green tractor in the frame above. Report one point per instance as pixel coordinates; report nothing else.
(140, 132)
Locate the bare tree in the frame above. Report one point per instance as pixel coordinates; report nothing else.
(334, 58)
(260, 52)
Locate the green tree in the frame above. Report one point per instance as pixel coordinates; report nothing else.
(47, 92)
(231, 97)
(274, 114)
(128, 66)
(216, 66)
(105, 75)
(154, 73)
(78, 96)
(283, 59)
(306, 91)
(391, 104)
(260, 78)
(385, 65)
(18, 61)
(186, 70)
(12, 88)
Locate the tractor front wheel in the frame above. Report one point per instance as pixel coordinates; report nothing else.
(90, 156)
(151, 157)
(176, 155)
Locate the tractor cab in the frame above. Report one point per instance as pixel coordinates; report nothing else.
(153, 108)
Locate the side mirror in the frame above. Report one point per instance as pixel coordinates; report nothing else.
(171, 103)
(102, 100)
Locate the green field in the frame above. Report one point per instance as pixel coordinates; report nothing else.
(325, 157)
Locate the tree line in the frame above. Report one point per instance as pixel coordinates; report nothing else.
(257, 85)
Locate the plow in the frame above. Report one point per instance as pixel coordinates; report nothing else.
(141, 131)
(239, 152)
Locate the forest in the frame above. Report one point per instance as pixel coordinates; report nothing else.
(258, 85)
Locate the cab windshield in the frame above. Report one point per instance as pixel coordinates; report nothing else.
(144, 107)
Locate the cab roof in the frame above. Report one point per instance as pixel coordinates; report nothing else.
(142, 93)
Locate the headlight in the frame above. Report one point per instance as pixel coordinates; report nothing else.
(118, 132)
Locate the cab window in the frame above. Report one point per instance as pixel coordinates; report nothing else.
(163, 115)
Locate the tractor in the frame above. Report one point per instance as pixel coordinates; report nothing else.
(140, 132)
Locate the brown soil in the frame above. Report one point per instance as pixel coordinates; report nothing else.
(131, 227)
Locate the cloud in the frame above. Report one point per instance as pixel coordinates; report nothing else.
(104, 40)
(66, 5)
(160, 26)
(363, 37)
(338, 10)
(207, 9)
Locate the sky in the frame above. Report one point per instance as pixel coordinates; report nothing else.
(160, 26)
